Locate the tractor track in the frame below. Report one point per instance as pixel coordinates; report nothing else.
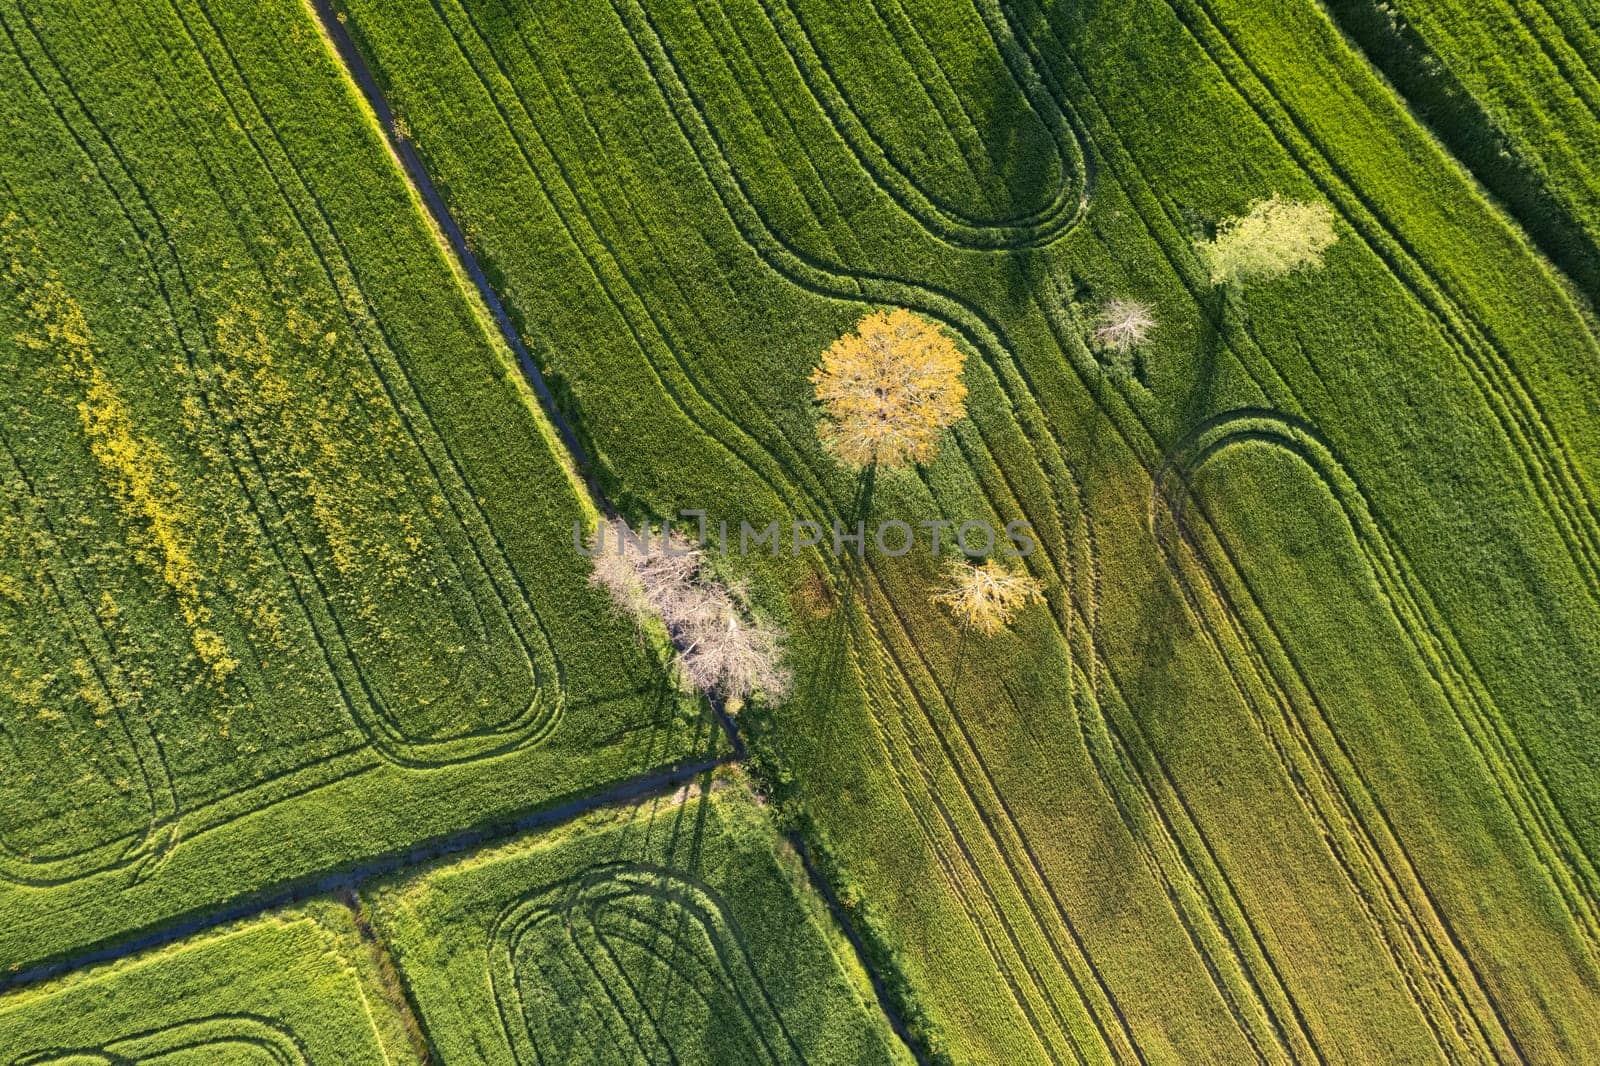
(346, 883)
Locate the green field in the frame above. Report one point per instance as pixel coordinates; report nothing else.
(287, 582)
(1514, 90)
(1295, 762)
(291, 989)
(1304, 777)
(679, 930)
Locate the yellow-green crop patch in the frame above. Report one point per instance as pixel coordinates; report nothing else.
(286, 579)
(681, 930)
(1305, 775)
(289, 989)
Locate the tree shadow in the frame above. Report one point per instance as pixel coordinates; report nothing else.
(1218, 307)
(866, 484)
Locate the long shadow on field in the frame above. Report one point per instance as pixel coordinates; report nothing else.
(1029, 181)
(1448, 108)
(668, 832)
(655, 743)
(821, 686)
(861, 503)
(1023, 172)
(1197, 404)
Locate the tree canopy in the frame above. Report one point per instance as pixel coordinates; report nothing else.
(889, 390)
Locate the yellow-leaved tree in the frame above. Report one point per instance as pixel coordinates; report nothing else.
(986, 597)
(889, 390)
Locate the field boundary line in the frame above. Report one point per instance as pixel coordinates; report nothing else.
(371, 96)
(359, 313)
(805, 272)
(464, 262)
(354, 876)
(1441, 103)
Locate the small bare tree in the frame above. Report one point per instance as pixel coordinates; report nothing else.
(719, 646)
(889, 390)
(986, 597)
(641, 572)
(1123, 325)
(723, 651)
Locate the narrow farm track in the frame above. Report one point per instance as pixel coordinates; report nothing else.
(472, 518)
(986, 348)
(438, 211)
(638, 935)
(1562, 833)
(195, 1003)
(504, 72)
(619, 795)
(422, 185)
(1557, 874)
(443, 469)
(821, 512)
(153, 768)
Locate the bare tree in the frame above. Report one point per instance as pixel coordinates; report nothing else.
(720, 647)
(1123, 325)
(723, 651)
